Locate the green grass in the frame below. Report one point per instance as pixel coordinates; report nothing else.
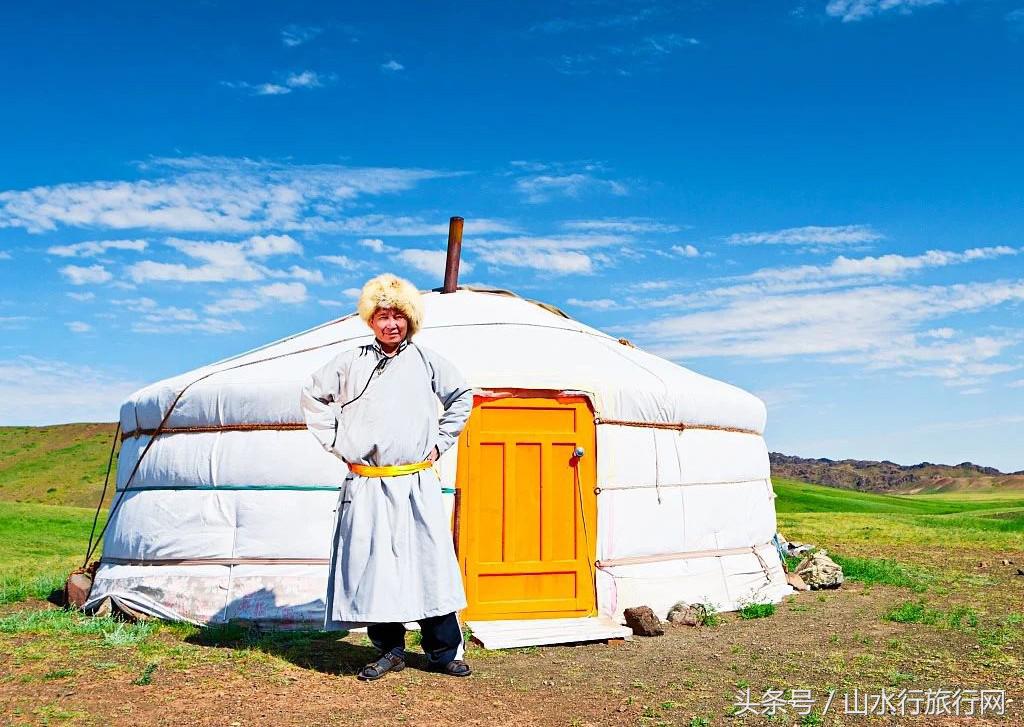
(796, 496)
(57, 465)
(757, 610)
(872, 571)
(825, 515)
(59, 621)
(959, 618)
(146, 677)
(39, 546)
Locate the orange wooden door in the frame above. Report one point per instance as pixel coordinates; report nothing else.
(528, 510)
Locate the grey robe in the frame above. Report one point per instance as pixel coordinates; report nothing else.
(393, 559)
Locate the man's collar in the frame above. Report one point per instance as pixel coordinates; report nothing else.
(380, 351)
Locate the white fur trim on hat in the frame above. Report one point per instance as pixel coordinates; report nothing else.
(391, 291)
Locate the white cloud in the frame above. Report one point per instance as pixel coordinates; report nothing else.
(809, 235)
(224, 261)
(305, 79)
(377, 245)
(542, 187)
(627, 225)
(265, 246)
(267, 89)
(78, 275)
(96, 247)
(342, 261)
(163, 326)
(36, 391)
(431, 262)
(1018, 384)
(78, 326)
(136, 304)
(284, 292)
(556, 254)
(664, 44)
(883, 266)
(874, 327)
(597, 304)
(246, 301)
(238, 302)
(81, 297)
(374, 244)
(686, 250)
(299, 273)
(296, 35)
(298, 80)
(153, 318)
(214, 194)
(392, 66)
(352, 292)
(4, 255)
(853, 10)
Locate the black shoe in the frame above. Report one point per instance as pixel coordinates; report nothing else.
(376, 669)
(455, 668)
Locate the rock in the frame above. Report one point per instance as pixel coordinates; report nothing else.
(797, 582)
(682, 614)
(1020, 571)
(1006, 561)
(643, 621)
(76, 589)
(819, 571)
(983, 564)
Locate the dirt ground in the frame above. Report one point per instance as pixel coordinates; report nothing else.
(835, 640)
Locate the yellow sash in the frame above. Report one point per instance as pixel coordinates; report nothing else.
(393, 470)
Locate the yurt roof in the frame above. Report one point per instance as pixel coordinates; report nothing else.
(496, 338)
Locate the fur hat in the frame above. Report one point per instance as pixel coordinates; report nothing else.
(391, 291)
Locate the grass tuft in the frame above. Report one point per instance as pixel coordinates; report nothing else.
(146, 677)
(707, 614)
(757, 610)
(913, 612)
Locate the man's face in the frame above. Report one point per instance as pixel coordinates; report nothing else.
(389, 325)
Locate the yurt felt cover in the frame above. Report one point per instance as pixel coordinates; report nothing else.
(230, 513)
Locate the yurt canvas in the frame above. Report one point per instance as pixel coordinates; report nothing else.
(592, 477)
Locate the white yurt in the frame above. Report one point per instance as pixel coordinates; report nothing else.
(592, 477)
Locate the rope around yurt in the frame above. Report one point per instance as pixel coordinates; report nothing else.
(103, 495)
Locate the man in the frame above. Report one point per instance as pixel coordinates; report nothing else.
(376, 407)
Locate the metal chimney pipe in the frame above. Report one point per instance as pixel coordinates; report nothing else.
(451, 265)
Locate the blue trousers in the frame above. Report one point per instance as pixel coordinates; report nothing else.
(442, 637)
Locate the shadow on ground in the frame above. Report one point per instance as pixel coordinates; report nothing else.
(322, 651)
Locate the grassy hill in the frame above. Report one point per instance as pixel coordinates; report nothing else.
(58, 465)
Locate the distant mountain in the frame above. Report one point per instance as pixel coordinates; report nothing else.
(885, 476)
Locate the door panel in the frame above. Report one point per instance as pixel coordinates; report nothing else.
(524, 548)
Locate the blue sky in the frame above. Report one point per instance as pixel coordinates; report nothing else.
(819, 201)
